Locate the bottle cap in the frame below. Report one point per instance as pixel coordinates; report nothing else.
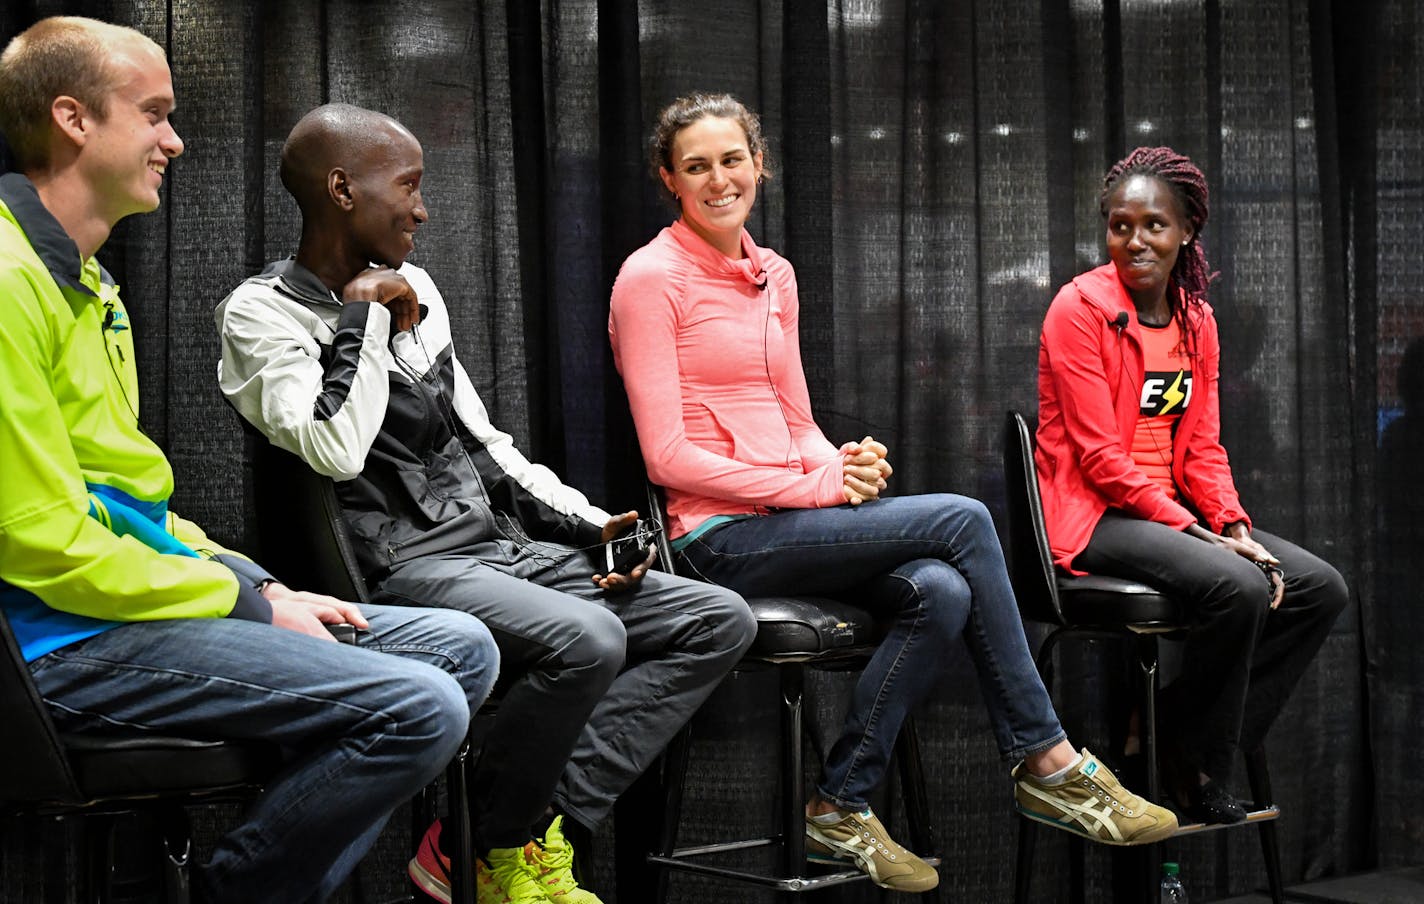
(1171, 869)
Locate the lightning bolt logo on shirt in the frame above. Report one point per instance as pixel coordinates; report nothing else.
(1166, 392)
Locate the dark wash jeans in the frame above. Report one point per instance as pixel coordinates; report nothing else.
(1241, 659)
(934, 565)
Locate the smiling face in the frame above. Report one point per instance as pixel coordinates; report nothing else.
(386, 206)
(1146, 229)
(714, 176)
(127, 147)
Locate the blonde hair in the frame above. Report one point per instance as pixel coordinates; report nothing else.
(61, 55)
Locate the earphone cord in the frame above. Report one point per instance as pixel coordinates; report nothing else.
(766, 363)
(1164, 457)
(118, 378)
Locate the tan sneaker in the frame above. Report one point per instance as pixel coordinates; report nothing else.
(1091, 802)
(861, 838)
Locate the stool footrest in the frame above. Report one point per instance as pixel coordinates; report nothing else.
(678, 861)
(1252, 818)
(722, 847)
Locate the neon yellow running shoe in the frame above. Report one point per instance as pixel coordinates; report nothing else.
(504, 876)
(552, 860)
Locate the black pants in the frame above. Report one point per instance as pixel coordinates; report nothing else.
(1241, 658)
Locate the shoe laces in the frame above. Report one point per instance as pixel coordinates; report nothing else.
(553, 865)
(869, 827)
(513, 876)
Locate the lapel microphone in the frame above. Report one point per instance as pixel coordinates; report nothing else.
(1119, 321)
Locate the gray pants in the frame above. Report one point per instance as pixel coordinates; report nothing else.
(595, 684)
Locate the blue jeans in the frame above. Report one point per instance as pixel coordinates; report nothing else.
(363, 728)
(933, 564)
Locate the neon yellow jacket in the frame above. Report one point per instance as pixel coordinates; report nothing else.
(69, 425)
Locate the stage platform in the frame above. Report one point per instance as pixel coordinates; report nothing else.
(1400, 886)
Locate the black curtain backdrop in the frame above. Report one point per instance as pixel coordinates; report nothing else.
(936, 176)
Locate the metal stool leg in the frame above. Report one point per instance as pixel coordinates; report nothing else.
(793, 812)
(1260, 781)
(177, 842)
(1028, 829)
(912, 789)
(462, 851)
(1077, 879)
(674, 780)
(1023, 866)
(1147, 653)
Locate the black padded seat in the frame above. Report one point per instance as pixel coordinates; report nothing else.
(130, 767)
(95, 778)
(796, 626)
(1092, 600)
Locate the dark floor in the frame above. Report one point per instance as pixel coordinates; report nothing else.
(1402, 886)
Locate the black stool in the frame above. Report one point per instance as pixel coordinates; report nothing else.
(44, 773)
(1097, 607)
(794, 634)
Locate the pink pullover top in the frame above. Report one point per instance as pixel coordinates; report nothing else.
(710, 356)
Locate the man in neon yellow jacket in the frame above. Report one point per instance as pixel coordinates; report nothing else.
(130, 618)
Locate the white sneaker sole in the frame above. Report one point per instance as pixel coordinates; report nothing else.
(428, 882)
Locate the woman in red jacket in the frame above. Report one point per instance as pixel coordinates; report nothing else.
(1136, 484)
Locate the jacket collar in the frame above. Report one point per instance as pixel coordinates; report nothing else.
(302, 282)
(1101, 288)
(53, 245)
(750, 268)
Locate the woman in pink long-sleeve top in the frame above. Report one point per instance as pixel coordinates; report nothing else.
(704, 332)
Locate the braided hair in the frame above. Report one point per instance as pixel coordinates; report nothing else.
(1190, 275)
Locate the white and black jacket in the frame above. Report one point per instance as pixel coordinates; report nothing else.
(395, 421)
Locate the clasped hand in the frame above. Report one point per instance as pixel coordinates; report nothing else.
(1237, 538)
(866, 470)
(385, 286)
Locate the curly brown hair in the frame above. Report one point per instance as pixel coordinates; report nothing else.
(688, 109)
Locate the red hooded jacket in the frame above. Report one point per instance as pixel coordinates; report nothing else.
(1090, 374)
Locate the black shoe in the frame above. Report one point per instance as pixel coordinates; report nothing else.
(1205, 802)
(1212, 804)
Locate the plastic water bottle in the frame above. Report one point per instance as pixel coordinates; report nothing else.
(1172, 890)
